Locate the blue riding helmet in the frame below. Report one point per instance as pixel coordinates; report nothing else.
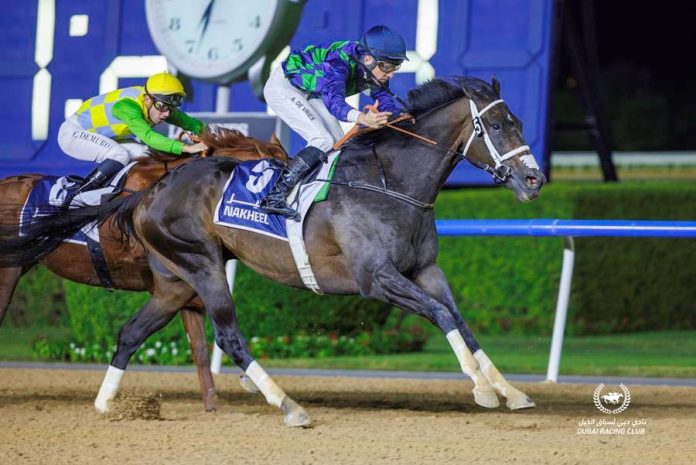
(384, 44)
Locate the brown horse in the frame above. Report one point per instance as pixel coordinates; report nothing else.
(127, 262)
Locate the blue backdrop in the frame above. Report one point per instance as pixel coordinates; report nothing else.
(509, 39)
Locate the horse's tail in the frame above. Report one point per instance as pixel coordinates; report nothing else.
(123, 218)
(26, 244)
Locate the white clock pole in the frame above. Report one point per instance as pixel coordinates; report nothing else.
(222, 100)
(222, 105)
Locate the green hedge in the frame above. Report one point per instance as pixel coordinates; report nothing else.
(39, 300)
(501, 284)
(510, 283)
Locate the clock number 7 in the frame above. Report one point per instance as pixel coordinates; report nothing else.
(190, 45)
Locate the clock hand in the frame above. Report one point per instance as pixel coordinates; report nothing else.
(205, 20)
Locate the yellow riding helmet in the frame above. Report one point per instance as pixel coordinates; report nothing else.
(165, 87)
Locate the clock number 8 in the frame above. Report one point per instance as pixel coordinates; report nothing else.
(175, 24)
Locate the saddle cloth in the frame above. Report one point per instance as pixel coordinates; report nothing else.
(250, 182)
(48, 195)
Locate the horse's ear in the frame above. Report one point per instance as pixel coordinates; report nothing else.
(496, 86)
(467, 93)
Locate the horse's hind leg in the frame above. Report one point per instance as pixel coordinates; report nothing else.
(169, 296)
(221, 309)
(194, 323)
(9, 277)
(432, 280)
(204, 270)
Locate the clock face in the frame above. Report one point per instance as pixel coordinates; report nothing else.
(210, 38)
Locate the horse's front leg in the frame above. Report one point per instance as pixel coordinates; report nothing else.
(432, 280)
(386, 283)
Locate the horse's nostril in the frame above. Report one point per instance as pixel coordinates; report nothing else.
(532, 181)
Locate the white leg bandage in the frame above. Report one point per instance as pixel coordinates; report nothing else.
(466, 360)
(273, 393)
(109, 388)
(491, 372)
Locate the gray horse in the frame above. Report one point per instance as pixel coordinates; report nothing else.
(374, 235)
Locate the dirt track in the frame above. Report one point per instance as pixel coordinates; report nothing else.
(46, 417)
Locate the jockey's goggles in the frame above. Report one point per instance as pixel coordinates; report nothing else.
(388, 67)
(165, 103)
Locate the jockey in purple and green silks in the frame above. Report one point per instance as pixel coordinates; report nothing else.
(332, 72)
(308, 93)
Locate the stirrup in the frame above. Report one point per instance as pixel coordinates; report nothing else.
(280, 208)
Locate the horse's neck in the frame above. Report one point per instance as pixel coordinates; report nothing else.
(145, 174)
(414, 167)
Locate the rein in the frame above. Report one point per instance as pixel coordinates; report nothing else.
(500, 172)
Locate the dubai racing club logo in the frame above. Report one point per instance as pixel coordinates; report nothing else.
(611, 399)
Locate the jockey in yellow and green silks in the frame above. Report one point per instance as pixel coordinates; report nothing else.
(105, 127)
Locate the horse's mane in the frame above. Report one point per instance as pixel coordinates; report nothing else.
(227, 143)
(234, 144)
(437, 92)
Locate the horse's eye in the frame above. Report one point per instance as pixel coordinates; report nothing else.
(496, 127)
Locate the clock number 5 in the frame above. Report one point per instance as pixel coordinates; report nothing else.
(237, 45)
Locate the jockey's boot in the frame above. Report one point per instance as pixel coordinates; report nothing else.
(96, 179)
(296, 169)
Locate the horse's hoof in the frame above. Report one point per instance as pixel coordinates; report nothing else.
(295, 415)
(247, 384)
(518, 400)
(211, 400)
(486, 398)
(102, 406)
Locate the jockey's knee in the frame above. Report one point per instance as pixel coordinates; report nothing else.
(323, 143)
(120, 156)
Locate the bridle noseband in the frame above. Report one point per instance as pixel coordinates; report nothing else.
(500, 172)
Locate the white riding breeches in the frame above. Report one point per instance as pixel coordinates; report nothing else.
(90, 146)
(308, 117)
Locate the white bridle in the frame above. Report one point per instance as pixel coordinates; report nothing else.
(480, 130)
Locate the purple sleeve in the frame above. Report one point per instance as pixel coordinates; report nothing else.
(336, 75)
(386, 101)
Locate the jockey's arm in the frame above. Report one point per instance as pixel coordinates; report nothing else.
(334, 93)
(130, 113)
(386, 101)
(187, 123)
